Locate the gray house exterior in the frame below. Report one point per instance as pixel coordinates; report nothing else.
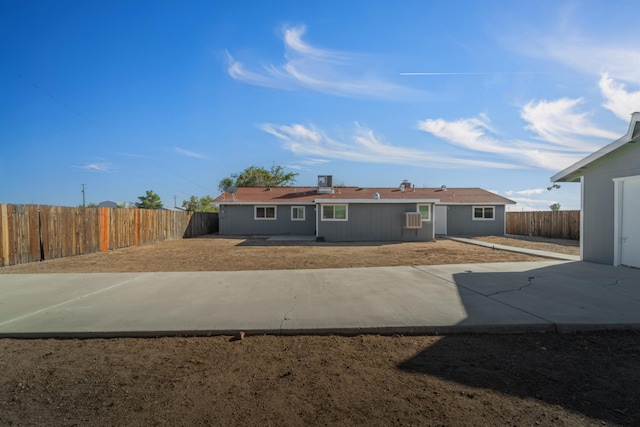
(461, 221)
(239, 219)
(402, 213)
(610, 200)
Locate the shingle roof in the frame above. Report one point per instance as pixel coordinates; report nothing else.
(307, 195)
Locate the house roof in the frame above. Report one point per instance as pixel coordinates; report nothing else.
(310, 195)
(575, 171)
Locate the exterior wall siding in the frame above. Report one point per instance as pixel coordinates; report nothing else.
(460, 222)
(598, 202)
(239, 220)
(376, 222)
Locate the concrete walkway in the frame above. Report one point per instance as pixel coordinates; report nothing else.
(499, 297)
(544, 254)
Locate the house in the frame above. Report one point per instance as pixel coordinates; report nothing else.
(610, 200)
(403, 213)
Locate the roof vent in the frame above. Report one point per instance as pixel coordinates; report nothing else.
(376, 195)
(443, 188)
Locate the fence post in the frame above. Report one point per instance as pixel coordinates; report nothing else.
(104, 229)
(4, 234)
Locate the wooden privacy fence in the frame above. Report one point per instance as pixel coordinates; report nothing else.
(555, 224)
(31, 233)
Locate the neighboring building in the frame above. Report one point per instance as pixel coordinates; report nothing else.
(610, 200)
(330, 213)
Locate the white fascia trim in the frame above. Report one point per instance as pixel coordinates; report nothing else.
(475, 204)
(267, 203)
(379, 201)
(562, 176)
(565, 175)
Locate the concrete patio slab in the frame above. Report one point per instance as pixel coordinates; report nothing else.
(499, 297)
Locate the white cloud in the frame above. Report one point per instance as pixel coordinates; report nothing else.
(562, 135)
(327, 71)
(366, 147)
(188, 153)
(528, 204)
(583, 48)
(99, 166)
(618, 100)
(528, 192)
(558, 123)
(473, 134)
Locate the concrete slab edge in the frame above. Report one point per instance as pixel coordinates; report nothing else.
(534, 252)
(385, 331)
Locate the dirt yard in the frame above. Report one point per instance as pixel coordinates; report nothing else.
(213, 253)
(584, 379)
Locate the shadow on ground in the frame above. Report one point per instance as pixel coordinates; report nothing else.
(596, 374)
(266, 242)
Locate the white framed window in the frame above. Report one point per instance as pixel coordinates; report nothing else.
(335, 213)
(264, 212)
(297, 213)
(425, 212)
(484, 213)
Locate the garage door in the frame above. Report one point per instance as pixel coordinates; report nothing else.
(630, 227)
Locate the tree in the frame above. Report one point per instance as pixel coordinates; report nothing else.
(149, 201)
(255, 176)
(203, 204)
(555, 207)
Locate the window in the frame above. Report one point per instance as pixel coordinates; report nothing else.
(425, 211)
(265, 212)
(334, 212)
(297, 213)
(483, 213)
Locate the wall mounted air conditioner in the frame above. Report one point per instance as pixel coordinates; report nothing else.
(413, 220)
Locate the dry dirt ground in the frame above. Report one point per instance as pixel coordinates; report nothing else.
(581, 379)
(213, 253)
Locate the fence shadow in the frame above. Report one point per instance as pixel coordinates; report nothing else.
(201, 223)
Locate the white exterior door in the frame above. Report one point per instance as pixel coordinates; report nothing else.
(440, 218)
(630, 225)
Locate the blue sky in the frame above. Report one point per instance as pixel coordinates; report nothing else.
(129, 96)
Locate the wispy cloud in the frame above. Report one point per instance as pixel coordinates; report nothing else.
(558, 122)
(562, 135)
(529, 204)
(97, 166)
(580, 47)
(475, 134)
(528, 192)
(188, 153)
(328, 71)
(307, 164)
(618, 100)
(365, 146)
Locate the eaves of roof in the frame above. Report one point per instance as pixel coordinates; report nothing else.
(575, 171)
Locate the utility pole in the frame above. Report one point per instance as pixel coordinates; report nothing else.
(83, 203)
(175, 203)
